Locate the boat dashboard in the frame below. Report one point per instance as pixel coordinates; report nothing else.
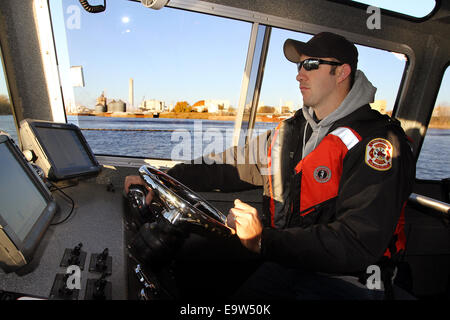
(211, 73)
(84, 254)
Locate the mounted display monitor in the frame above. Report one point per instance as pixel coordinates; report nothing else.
(26, 207)
(60, 149)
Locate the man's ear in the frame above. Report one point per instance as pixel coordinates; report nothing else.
(344, 72)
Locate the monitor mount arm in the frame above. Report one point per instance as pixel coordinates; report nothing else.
(93, 9)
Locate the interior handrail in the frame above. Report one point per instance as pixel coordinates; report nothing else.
(430, 203)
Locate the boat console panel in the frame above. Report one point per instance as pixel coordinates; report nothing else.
(97, 223)
(27, 207)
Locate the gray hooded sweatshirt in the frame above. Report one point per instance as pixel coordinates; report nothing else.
(362, 93)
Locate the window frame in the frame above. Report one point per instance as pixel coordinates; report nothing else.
(11, 102)
(393, 13)
(430, 115)
(269, 22)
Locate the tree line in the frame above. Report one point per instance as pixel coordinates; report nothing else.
(184, 106)
(5, 105)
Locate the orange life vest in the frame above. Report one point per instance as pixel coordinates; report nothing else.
(321, 172)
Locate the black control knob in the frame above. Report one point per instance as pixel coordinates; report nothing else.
(141, 212)
(136, 196)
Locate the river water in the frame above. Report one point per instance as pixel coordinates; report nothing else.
(182, 139)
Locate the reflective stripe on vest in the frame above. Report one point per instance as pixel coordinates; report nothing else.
(269, 163)
(348, 136)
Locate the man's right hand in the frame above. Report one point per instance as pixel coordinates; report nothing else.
(130, 180)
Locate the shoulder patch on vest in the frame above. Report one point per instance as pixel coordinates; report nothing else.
(379, 154)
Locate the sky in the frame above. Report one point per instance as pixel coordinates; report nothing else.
(196, 57)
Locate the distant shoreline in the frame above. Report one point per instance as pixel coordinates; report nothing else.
(184, 115)
(439, 123)
(434, 123)
(439, 126)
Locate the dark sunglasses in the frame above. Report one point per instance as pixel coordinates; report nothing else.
(313, 64)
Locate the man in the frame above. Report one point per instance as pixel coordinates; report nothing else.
(337, 177)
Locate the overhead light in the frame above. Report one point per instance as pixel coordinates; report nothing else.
(154, 4)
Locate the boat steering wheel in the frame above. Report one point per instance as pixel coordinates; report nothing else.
(182, 207)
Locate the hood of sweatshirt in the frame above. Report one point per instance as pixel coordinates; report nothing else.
(361, 93)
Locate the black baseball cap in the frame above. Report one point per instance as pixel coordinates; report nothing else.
(323, 45)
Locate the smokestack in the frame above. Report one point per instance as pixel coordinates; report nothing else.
(131, 95)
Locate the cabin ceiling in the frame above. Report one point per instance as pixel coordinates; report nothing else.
(325, 13)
